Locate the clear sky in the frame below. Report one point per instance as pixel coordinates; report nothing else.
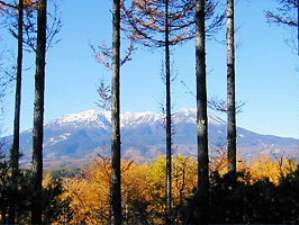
(267, 70)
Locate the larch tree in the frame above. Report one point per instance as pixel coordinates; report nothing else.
(202, 117)
(116, 217)
(23, 25)
(15, 146)
(15, 152)
(156, 18)
(109, 99)
(168, 118)
(38, 120)
(163, 24)
(231, 91)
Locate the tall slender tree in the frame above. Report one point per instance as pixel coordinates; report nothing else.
(166, 44)
(15, 146)
(15, 152)
(163, 15)
(168, 118)
(202, 118)
(166, 23)
(37, 156)
(116, 217)
(231, 91)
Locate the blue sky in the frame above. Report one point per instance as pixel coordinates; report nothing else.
(267, 71)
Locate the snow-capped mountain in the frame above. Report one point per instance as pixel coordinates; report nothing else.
(79, 137)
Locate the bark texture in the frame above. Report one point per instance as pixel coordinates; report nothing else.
(38, 120)
(231, 95)
(15, 152)
(15, 146)
(168, 119)
(116, 217)
(202, 118)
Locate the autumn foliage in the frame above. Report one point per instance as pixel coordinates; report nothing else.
(143, 185)
(266, 192)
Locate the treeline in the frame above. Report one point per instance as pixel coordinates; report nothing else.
(155, 24)
(265, 193)
(265, 188)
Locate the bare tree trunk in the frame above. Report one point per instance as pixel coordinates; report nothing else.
(231, 105)
(116, 217)
(168, 120)
(15, 152)
(202, 118)
(37, 156)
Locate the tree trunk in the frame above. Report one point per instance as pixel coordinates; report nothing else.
(37, 156)
(168, 120)
(202, 119)
(15, 154)
(116, 217)
(231, 106)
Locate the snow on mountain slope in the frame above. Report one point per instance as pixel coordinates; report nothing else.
(128, 119)
(81, 136)
(87, 118)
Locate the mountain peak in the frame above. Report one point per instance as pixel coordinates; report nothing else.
(83, 135)
(102, 118)
(90, 117)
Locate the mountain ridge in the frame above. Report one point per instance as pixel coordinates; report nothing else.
(78, 138)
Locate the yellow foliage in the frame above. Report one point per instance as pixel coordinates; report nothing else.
(145, 183)
(140, 182)
(267, 168)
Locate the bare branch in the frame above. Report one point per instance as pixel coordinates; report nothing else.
(144, 20)
(285, 13)
(104, 94)
(4, 5)
(220, 105)
(216, 104)
(103, 54)
(30, 26)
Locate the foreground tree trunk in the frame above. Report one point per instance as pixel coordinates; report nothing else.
(168, 120)
(15, 152)
(202, 118)
(37, 156)
(116, 217)
(231, 105)
(15, 146)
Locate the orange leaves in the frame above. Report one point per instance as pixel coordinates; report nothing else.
(143, 186)
(267, 168)
(30, 4)
(146, 19)
(5, 5)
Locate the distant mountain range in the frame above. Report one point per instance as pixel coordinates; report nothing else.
(77, 138)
